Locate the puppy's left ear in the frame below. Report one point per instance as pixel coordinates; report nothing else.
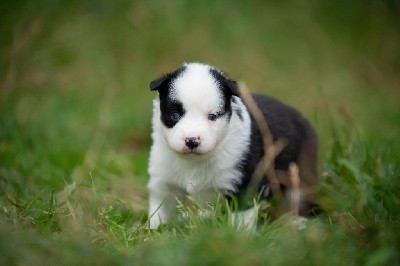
(232, 86)
(228, 85)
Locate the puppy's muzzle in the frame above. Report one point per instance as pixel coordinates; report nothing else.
(192, 142)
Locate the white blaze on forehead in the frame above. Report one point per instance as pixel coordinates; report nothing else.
(196, 87)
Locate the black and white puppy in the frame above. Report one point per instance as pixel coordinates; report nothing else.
(205, 141)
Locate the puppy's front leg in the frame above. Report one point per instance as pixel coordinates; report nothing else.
(162, 203)
(245, 219)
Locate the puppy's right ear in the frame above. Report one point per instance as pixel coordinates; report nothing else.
(160, 82)
(165, 80)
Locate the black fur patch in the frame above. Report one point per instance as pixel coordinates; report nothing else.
(167, 107)
(168, 104)
(284, 122)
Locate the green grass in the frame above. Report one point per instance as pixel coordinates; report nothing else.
(75, 111)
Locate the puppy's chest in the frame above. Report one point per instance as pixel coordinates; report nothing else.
(198, 177)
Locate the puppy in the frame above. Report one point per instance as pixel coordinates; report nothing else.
(206, 142)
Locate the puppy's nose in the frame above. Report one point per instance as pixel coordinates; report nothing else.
(192, 142)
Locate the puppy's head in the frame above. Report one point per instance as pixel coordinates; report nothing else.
(195, 107)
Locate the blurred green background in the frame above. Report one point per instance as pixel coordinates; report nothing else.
(70, 67)
(75, 104)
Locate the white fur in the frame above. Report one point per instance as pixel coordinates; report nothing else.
(173, 173)
(245, 219)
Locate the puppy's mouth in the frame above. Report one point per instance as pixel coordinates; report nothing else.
(191, 152)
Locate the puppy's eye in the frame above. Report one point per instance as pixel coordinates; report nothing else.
(212, 117)
(175, 116)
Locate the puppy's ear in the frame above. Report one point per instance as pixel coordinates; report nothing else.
(163, 82)
(160, 82)
(228, 85)
(233, 86)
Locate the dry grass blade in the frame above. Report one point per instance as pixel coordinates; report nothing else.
(271, 149)
(295, 193)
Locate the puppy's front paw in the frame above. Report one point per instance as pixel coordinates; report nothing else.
(300, 222)
(154, 222)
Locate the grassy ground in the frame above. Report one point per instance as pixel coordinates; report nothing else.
(75, 113)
